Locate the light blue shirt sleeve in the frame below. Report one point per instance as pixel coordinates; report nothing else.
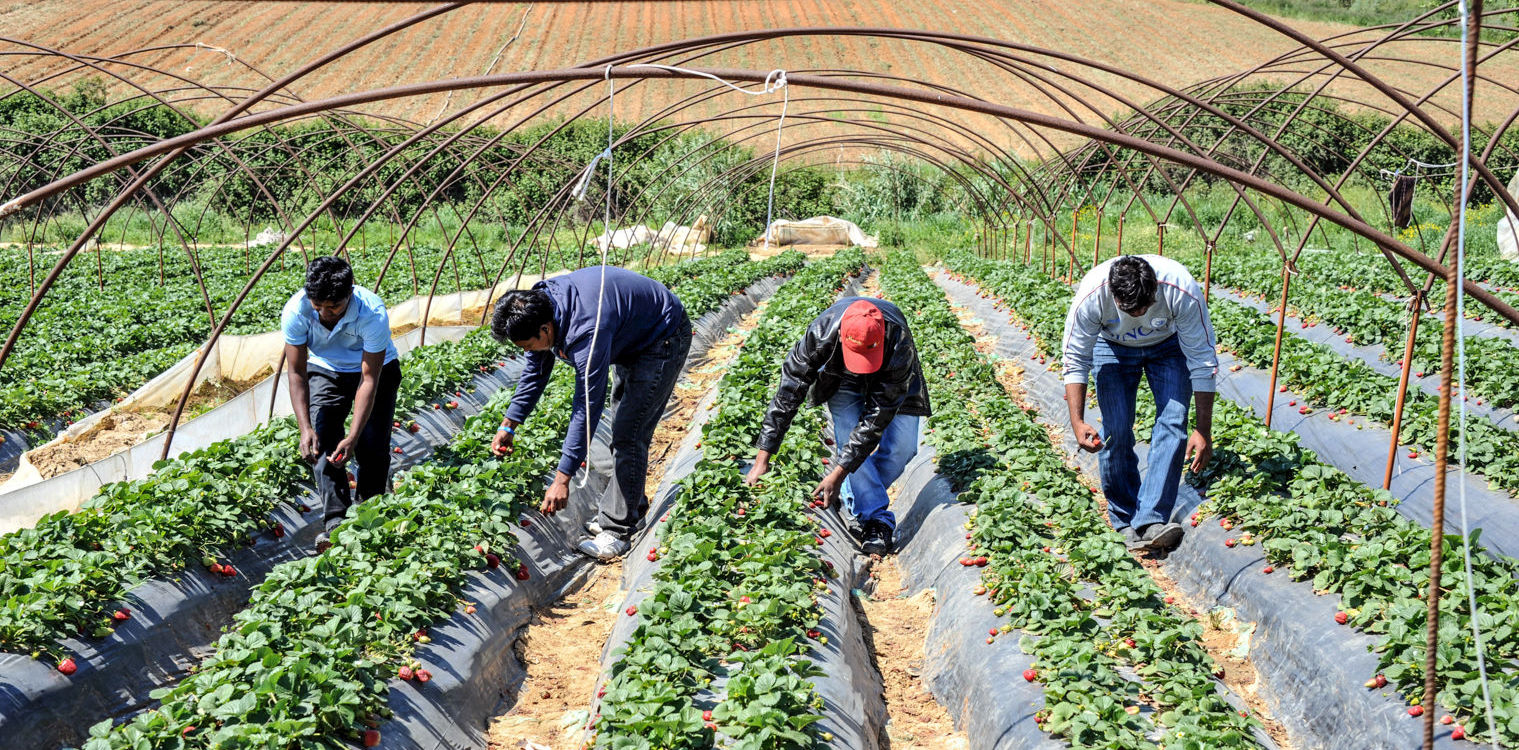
(293, 323)
(375, 330)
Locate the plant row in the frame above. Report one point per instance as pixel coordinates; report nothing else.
(735, 598)
(1313, 522)
(68, 574)
(1327, 379)
(308, 663)
(1367, 319)
(1054, 568)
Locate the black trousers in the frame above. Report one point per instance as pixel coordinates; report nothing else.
(644, 386)
(332, 395)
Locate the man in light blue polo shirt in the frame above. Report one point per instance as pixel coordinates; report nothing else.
(341, 358)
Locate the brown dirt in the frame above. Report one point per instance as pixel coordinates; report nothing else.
(1219, 637)
(120, 430)
(896, 624)
(563, 644)
(562, 651)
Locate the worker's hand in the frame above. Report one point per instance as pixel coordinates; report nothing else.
(827, 490)
(501, 445)
(761, 465)
(310, 447)
(1200, 450)
(343, 451)
(1087, 437)
(557, 496)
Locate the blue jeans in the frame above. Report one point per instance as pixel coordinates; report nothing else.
(864, 491)
(1117, 369)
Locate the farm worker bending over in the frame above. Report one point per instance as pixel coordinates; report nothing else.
(858, 357)
(1133, 316)
(644, 332)
(341, 358)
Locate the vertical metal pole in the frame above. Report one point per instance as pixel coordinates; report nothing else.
(1397, 410)
(1276, 354)
(1208, 271)
(1097, 243)
(1437, 522)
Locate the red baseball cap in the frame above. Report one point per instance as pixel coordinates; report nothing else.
(862, 332)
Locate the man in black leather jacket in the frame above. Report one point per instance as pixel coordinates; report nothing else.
(858, 358)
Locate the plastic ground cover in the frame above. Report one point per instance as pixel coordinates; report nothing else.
(471, 657)
(1310, 670)
(175, 623)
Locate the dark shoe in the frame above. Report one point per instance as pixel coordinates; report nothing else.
(1162, 536)
(877, 539)
(323, 543)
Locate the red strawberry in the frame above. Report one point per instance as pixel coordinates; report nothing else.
(1341, 618)
(404, 673)
(371, 738)
(423, 675)
(631, 610)
(67, 666)
(1030, 675)
(491, 561)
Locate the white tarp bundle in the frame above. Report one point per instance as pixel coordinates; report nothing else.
(671, 236)
(818, 230)
(27, 495)
(1508, 227)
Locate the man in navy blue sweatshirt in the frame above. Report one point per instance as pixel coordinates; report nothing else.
(644, 332)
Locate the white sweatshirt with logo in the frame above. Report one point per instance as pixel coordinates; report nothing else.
(1179, 310)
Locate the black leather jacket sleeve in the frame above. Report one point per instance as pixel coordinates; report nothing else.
(797, 375)
(893, 384)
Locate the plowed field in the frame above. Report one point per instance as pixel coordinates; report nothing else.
(1167, 40)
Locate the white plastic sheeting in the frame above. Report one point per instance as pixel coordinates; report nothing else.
(818, 230)
(671, 236)
(1508, 227)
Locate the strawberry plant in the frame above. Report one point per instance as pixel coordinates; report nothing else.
(1088, 611)
(735, 596)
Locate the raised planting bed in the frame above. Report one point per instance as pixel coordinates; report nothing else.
(726, 641)
(1118, 665)
(1306, 547)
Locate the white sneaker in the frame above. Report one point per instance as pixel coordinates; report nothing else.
(604, 547)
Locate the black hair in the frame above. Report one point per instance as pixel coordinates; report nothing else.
(1132, 282)
(328, 279)
(520, 313)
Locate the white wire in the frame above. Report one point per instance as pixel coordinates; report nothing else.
(601, 289)
(1460, 385)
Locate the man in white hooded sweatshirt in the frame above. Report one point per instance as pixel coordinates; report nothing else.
(1133, 316)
